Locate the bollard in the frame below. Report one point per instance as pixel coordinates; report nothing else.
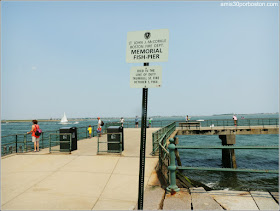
(172, 168)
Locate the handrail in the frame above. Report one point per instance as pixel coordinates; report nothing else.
(159, 134)
(227, 147)
(241, 122)
(12, 144)
(172, 167)
(228, 169)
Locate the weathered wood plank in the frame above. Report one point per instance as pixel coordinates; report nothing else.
(178, 201)
(275, 196)
(201, 200)
(234, 200)
(264, 200)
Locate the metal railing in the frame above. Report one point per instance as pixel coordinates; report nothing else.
(22, 143)
(160, 138)
(159, 134)
(164, 159)
(131, 123)
(19, 143)
(241, 122)
(172, 167)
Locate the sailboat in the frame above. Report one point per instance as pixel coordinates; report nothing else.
(64, 119)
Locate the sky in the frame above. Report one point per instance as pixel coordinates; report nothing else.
(70, 57)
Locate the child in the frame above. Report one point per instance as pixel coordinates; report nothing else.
(89, 131)
(99, 132)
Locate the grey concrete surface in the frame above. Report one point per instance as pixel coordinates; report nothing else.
(81, 180)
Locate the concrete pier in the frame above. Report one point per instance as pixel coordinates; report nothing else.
(82, 180)
(226, 130)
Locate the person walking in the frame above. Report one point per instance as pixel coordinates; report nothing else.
(234, 120)
(150, 122)
(136, 122)
(122, 121)
(99, 127)
(89, 131)
(35, 139)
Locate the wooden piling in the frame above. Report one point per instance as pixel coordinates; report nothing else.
(228, 155)
(176, 139)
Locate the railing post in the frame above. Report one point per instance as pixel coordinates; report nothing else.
(172, 168)
(25, 144)
(50, 147)
(16, 142)
(153, 138)
(42, 140)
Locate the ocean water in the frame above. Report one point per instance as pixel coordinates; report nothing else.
(245, 159)
(252, 159)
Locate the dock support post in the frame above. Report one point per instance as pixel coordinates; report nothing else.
(176, 139)
(228, 155)
(172, 168)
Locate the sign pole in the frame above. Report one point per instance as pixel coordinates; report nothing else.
(142, 147)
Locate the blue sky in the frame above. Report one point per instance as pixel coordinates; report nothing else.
(70, 57)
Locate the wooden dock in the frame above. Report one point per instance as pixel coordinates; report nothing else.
(199, 199)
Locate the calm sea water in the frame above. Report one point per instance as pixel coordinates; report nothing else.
(253, 159)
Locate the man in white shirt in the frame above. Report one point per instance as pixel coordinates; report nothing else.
(99, 127)
(122, 121)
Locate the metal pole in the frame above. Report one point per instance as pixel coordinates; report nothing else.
(142, 147)
(25, 144)
(42, 140)
(50, 146)
(16, 143)
(172, 168)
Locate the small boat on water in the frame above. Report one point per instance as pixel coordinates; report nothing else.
(64, 119)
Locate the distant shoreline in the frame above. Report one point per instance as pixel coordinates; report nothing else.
(86, 119)
(43, 120)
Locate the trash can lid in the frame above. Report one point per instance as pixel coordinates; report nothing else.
(65, 127)
(113, 127)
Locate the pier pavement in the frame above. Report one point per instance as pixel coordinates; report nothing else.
(81, 180)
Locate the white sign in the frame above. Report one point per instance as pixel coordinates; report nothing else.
(145, 77)
(147, 46)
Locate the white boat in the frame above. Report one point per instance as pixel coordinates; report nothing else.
(64, 119)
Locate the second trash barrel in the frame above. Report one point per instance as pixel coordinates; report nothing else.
(115, 134)
(66, 146)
